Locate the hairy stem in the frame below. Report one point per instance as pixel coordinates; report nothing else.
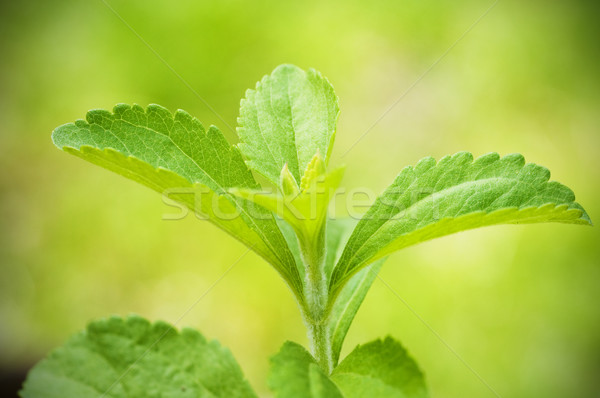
(316, 295)
(321, 344)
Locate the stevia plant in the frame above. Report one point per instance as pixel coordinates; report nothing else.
(286, 128)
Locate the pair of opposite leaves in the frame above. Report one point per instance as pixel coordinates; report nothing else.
(132, 358)
(284, 122)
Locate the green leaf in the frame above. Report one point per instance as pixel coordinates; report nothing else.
(132, 358)
(456, 194)
(287, 183)
(295, 374)
(347, 303)
(288, 117)
(174, 154)
(380, 369)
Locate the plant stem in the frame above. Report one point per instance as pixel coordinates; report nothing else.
(316, 294)
(320, 344)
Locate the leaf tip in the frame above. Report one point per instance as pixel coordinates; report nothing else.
(287, 182)
(585, 217)
(286, 69)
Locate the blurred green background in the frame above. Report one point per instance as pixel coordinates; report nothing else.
(520, 304)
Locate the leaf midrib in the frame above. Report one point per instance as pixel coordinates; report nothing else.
(148, 350)
(178, 147)
(442, 192)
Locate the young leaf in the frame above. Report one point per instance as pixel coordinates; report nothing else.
(174, 153)
(380, 369)
(287, 183)
(288, 117)
(306, 210)
(295, 374)
(131, 358)
(456, 194)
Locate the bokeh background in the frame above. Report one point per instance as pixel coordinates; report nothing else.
(520, 304)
